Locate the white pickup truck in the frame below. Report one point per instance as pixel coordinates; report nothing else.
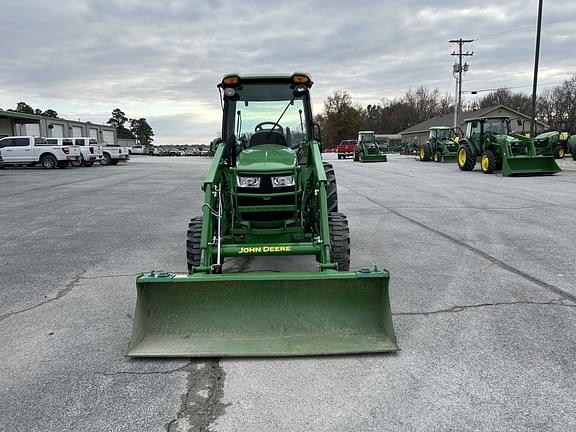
(90, 149)
(112, 154)
(30, 150)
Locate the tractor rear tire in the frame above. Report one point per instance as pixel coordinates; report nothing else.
(193, 249)
(331, 188)
(488, 162)
(424, 152)
(466, 160)
(339, 240)
(559, 152)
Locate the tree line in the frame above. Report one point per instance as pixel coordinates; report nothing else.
(342, 119)
(23, 107)
(138, 128)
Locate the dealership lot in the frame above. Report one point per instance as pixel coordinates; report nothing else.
(483, 290)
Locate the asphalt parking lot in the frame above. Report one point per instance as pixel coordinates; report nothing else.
(483, 291)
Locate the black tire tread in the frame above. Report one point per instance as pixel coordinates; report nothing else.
(470, 158)
(193, 249)
(492, 161)
(339, 240)
(331, 188)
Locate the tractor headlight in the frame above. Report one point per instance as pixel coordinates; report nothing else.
(248, 182)
(283, 181)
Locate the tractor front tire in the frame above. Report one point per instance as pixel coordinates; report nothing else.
(559, 152)
(193, 249)
(331, 188)
(466, 160)
(424, 152)
(437, 157)
(339, 240)
(488, 162)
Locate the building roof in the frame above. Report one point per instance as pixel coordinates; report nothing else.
(19, 115)
(448, 119)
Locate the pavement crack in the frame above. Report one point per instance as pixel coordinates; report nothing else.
(74, 282)
(457, 309)
(476, 251)
(202, 403)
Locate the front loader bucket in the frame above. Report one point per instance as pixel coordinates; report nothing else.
(373, 158)
(262, 314)
(529, 165)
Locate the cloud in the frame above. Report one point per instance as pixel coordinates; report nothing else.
(161, 60)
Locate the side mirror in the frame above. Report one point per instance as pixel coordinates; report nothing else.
(316, 132)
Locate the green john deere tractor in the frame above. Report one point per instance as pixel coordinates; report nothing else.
(491, 140)
(442, 145)
(367, 149)
(552, 143)
(267, 193)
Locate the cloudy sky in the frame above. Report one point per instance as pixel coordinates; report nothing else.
(161, 59)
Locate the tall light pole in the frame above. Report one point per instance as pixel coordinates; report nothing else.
(535, 80)
(459, 68)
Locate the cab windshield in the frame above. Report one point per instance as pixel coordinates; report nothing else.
(442, 134)
(274, 117)
(266, 114)
(497, 126)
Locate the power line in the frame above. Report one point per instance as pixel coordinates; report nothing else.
(521, 29)
(510, 88)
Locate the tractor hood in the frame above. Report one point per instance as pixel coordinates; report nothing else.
(513, 137)
(266, 158)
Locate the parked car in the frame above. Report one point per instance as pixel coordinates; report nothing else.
(30, 150)
(90, 151)
(192, 152)
(346, 148)
(137, 150)
(112, 154)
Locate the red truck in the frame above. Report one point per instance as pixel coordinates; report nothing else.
(345, 148)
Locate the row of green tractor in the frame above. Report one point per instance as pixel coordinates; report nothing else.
(490, 141)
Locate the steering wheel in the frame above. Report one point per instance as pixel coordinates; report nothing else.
(259, 127)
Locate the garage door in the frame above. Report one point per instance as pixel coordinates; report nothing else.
(108, 137)
(57, 130)
(76, 131)
(32, 129)
(93, 133)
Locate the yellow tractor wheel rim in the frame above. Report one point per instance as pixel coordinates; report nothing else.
(561, 152)
(421, 153)
(462, 157)
(485, 163)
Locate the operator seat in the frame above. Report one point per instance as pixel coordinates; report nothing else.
(267, 137)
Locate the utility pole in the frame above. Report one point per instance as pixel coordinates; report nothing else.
(535, 80)
(458, 69)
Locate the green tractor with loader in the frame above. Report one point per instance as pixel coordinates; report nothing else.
(557, 143)
(442, 145)
(367, 149)
(267, 194)
(490, 139)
